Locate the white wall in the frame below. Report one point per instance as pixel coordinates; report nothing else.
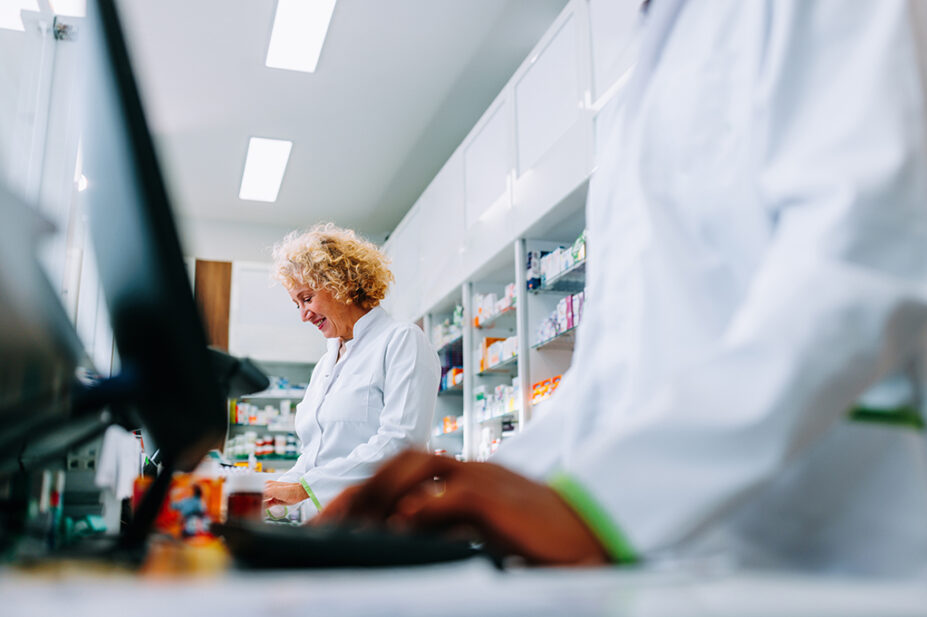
(228, 241)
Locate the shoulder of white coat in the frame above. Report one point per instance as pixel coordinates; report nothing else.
(405, 337)
(403, 331)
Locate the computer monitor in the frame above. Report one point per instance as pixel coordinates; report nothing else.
(160, 339)
(39, 349)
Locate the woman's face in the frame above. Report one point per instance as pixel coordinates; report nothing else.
(318, 307)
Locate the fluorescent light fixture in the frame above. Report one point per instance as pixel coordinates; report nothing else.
(11, 13)
(69, 8)
(299, 32)
(264, 169)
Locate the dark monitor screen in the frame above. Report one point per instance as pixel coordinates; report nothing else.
(39, 349)
(156, 326)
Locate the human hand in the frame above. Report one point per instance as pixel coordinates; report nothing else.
(511, 514)
(283, 493)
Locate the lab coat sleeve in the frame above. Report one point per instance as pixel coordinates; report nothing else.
(839, 300)
(410, 390)
(299, 468)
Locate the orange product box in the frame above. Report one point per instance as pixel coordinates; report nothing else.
(484, 351)
(192, 502)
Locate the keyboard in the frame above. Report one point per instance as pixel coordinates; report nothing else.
(262, 545)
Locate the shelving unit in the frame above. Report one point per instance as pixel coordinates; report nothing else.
(453, 390)
(504, 319)
(507, 366)
(267, 428)
(279, 393)
(441, 323)
(454, 343)
(560, 342)
(571, 280)
(497, 384)
(274, 424)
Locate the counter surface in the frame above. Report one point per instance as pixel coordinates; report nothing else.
(468, 589)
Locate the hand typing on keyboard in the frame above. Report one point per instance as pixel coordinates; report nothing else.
(512, 514)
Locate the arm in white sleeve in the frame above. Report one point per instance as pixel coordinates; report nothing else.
(839, 300)
(409, 394)
(299, 468)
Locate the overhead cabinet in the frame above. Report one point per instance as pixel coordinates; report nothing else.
(554, 142)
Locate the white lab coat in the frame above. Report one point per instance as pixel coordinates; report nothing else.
(758, 259)
(378, 400)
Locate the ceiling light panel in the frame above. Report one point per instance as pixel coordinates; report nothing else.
(299, 32)
(264, 169)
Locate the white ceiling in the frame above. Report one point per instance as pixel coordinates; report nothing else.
(399, 85)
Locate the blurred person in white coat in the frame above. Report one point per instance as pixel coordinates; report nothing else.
(373, 393)
(746, 378)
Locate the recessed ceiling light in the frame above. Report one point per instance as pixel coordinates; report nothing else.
(299, 32)
(10, 13)
(264, 167)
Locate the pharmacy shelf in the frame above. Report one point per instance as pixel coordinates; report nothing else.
(509, 365)
(453, 390)
(502, 319)
(280, 393)
(451, 344)
(571, 280)
(565, 340)
(266, 458)
(498, 417)
(440, 433)
(270, 428)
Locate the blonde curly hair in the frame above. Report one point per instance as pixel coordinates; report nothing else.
(328, 257)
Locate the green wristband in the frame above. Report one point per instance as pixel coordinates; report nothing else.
(315, 500)
(595, 517)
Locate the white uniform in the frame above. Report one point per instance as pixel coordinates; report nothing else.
(378, 400)
(758, 260)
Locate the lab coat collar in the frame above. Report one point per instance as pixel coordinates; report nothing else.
(361, 327)
(365, 323)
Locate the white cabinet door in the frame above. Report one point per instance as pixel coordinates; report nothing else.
(488, 163)
(442, 231)
(548, 96)
(404, 300)
(553, 124)
(264, 323)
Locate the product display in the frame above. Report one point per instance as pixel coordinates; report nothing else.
(562, 259)
(281, 415)
(240, 447)
(449, 330)
(192, 503)
(551, 306)
(495, 351)
(543, 390)
(564, 318)
(488, 307)
(501, 400)
(449, 424)
(451, 377)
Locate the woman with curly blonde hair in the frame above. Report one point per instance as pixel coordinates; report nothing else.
(373, 393)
